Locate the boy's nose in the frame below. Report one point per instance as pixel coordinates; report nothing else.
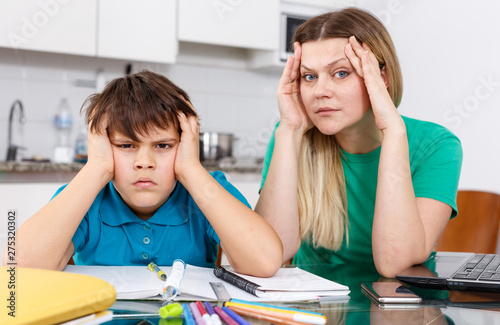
(144, 159)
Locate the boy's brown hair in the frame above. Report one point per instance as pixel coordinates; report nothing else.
(136, 104)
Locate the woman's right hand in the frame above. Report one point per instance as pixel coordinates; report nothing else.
(292, 111)
(99, 148)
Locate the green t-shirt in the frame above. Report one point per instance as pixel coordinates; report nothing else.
(435, 161)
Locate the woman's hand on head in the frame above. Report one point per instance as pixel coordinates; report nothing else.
(99, 149)
(376, 81)
(292, 111)
(188, 152)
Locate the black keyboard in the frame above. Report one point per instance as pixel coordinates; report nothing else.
(480, 267)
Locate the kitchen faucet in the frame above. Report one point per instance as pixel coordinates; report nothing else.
(12, 149)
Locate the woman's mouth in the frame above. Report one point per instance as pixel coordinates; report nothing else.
(326, 111)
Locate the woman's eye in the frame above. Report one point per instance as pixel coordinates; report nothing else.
(341, 74)
(163, 146)
(125, 146)
(308, 77)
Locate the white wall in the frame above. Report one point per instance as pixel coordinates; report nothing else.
(450, 57)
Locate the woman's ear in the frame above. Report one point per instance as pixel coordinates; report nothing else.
(383, 73)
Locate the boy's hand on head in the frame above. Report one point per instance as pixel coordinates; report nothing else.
(188, 152)
(99, 149)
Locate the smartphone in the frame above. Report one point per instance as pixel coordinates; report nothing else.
(389, 293)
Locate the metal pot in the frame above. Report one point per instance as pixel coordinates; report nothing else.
(215, 146)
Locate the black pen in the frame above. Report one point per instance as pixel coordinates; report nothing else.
(236, 280)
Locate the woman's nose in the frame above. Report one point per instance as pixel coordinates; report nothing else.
(144, 159)
(324, 88)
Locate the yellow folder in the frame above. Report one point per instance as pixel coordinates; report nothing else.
(36, 296)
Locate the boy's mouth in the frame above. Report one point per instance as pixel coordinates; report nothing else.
(144, 182)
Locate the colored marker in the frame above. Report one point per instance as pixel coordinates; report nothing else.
(225, 317)
(154, 268)
(186, 315)
(215, 318)
(196, 313)
(235, 316)
(203, 312)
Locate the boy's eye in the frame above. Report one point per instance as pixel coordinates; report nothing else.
(125, 146)
(308, 77)
(341, 74)
(163, 146)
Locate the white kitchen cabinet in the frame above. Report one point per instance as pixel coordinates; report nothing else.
(26, 198)
(59, 26)
(138, 30)
(236, 23)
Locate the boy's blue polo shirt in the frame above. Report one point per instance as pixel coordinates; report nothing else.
(111, 234)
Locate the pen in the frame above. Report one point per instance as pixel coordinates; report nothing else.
(235, 316)
(236, 280)
(203, 312)
(286, 318)
(196, 313)
(225, 317)
(154, 268)
(215, 318)
(186, 315)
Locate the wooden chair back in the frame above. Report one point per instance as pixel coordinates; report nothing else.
(475, 229)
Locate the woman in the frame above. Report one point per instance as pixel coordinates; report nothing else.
(350, 179)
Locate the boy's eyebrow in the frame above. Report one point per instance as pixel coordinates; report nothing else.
(127, 139)
(120, 138)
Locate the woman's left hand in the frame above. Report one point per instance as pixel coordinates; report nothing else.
(188, 152)
(367, 66)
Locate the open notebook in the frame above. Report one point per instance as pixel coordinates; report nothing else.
(289, 284)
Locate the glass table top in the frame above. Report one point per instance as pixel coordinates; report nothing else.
(438, 307)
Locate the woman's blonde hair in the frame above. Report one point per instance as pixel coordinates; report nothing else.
(321, 182)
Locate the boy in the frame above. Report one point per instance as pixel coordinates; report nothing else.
(143, 195)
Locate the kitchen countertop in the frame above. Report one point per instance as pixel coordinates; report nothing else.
(52, 172)
(42, 167)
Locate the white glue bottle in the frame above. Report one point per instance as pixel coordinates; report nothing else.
(174, 279)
